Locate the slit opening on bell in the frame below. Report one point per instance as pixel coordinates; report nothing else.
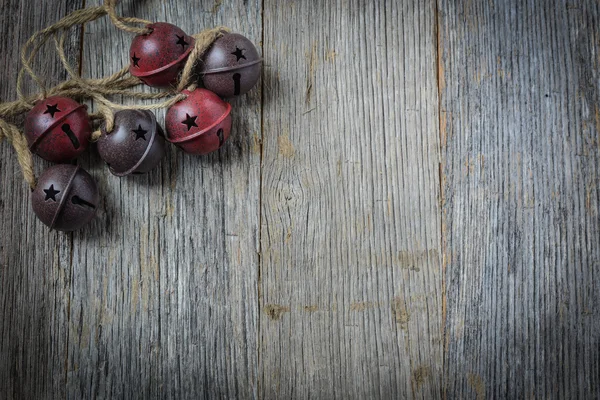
(81, 202)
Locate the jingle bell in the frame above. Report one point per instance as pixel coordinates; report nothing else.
(200, 123)
(231, 66)
(58, 129)
(158, 57)
(135, 145)
(65, 198)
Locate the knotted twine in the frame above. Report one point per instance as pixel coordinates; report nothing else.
(119, 83)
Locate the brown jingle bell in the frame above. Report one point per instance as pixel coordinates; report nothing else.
(135, 145)
(231, 66)
(58, 129)
(65, 198)
(158, 57)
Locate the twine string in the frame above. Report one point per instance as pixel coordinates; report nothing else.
(77, 17)
(123, 23)
(16, 138)
(202, 41)
(119, 83)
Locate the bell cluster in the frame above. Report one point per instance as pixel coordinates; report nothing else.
(58, 129)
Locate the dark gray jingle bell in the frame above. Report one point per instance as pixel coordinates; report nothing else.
(231, 66)
(65, 198)
(135, 145)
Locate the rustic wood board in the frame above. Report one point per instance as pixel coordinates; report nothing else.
(520, 118)
(164, 297)
(350, 226)
(330, 250)
(35, 265)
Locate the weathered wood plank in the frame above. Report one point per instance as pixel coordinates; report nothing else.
(521, 122)
(164, 283)
(34, 263)
(350, 250)
(165, 280)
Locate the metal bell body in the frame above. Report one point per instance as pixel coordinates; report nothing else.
(65, 198)
(200, 123)
(158, 57)
(135, 145)
(231, 66)
(58, 129)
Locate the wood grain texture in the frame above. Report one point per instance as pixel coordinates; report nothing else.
(164, 294)
(350, 225)
(330, 250)
(34, 263)
(521, 122)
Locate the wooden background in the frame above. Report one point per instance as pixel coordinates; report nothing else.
(408, 208)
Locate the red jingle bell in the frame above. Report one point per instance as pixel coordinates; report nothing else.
(158, 57)
(200, 123)
(58, 129)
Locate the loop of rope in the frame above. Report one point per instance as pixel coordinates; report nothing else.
(75, 18)
(202, 41)
(123, 23)
(12, 133)
(98, 90)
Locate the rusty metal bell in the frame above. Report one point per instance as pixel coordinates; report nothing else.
(58, 129)
(65, 198)
(231, 66)
(200, 123)
(135, 145)
(158, 57)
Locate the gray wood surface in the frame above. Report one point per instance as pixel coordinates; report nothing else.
(164, 299)
(35, 264)
(521, 135)
(408, 207)
(350, 246)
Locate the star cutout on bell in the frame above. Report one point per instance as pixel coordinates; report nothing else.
(135, 60)
(140, 133)
(51, 193)
(190, 121)
(239, 53)
(51, 109)
(182, 41)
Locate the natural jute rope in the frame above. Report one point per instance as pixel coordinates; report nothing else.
(97, 90)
